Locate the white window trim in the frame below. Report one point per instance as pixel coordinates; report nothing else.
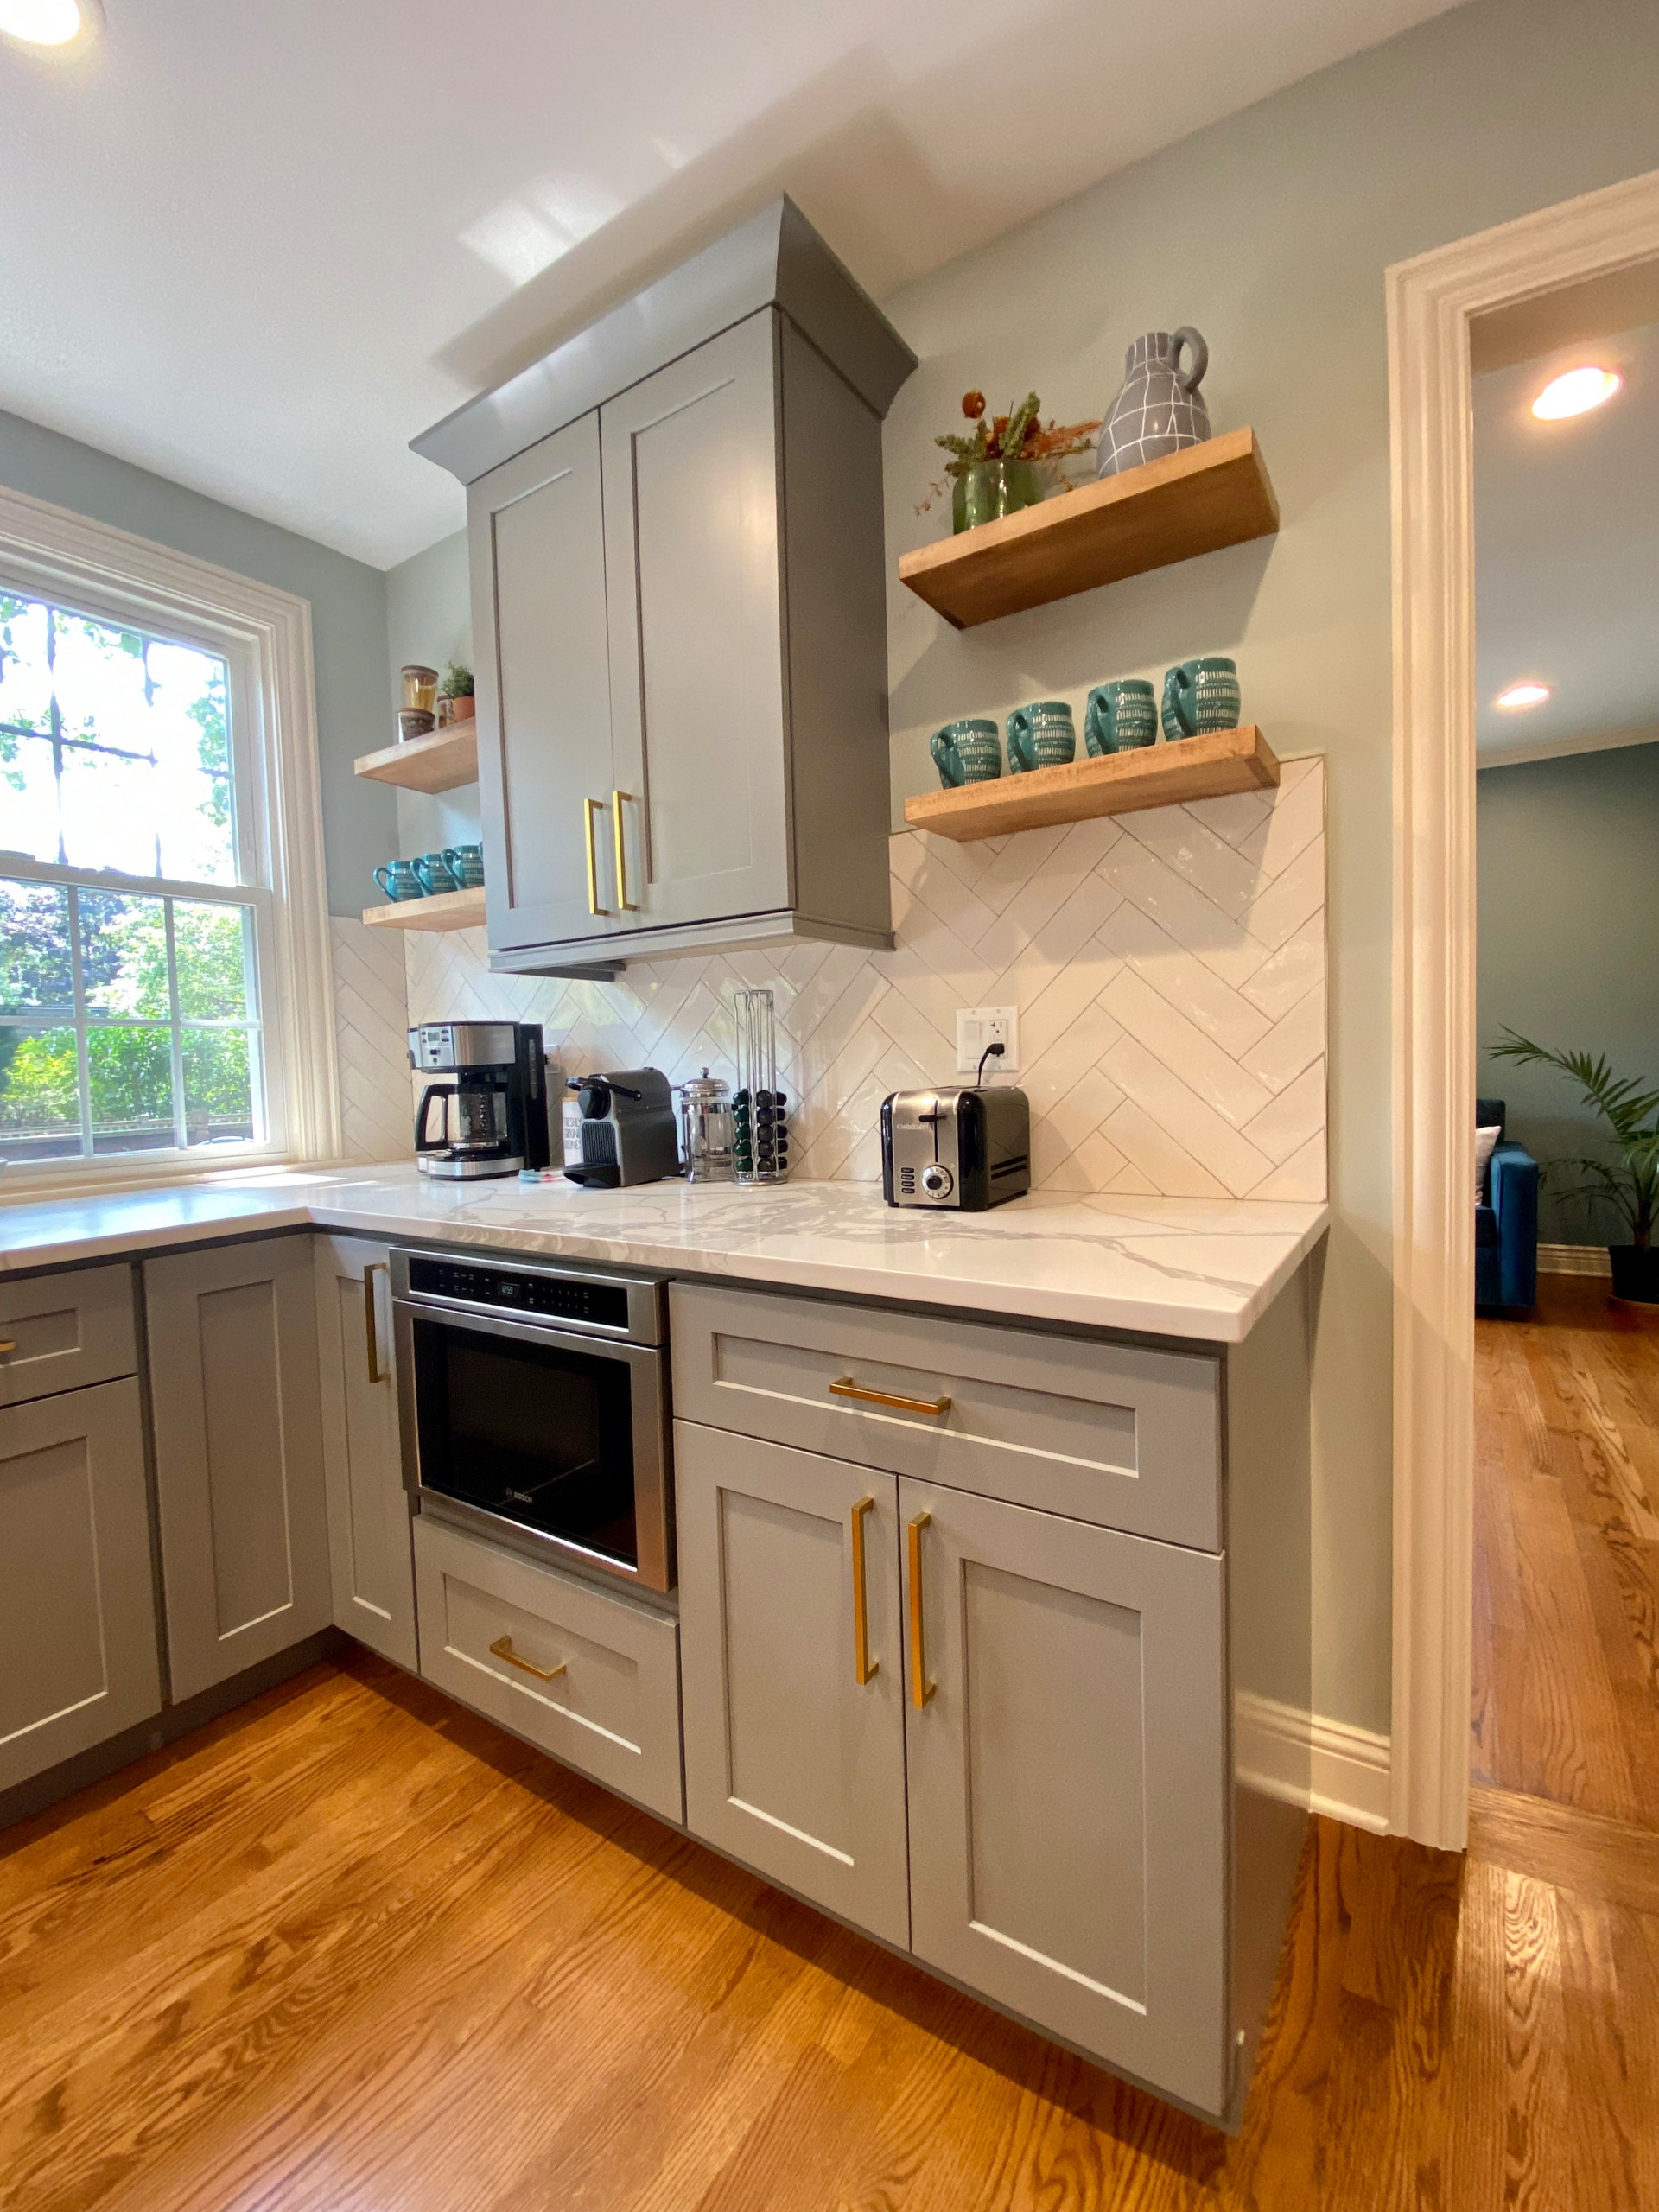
(46, 550)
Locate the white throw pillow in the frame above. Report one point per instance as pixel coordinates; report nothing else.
(1484, 1141)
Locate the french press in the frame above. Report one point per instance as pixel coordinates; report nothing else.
(706, 1129)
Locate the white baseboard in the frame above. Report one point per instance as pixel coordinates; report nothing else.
(1302, 1758)
(1574, 1260)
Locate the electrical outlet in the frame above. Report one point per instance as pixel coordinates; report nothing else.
(980, 1025)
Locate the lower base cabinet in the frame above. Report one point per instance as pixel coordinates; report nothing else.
(1029, 1786)
(78, 1650)
(372, 1563)
(793, 1671)
(1067, 1780)
(591, 1678)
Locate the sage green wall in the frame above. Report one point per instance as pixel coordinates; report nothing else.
(348, 618)
(1271, 232)
(428, 619)
(1569, 944)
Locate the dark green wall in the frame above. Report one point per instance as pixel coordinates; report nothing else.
(1569, 942)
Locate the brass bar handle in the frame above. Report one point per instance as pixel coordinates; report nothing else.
(846, 1388)
(589, 808)
(863, 1665)
(920, 1688)
(371, 1326)
(503, 1649)
(8, 1343)
(627, 905)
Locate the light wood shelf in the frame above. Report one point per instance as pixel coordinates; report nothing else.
(440, 762)
(1194, 502)
(1221, 761)
(445, 910)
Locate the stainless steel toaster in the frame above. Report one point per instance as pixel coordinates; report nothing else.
(960, 1146)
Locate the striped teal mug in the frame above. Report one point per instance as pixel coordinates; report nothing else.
(398, 879)
(1200, 696)
(466, 864)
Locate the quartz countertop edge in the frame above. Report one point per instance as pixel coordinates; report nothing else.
(1193, 1267)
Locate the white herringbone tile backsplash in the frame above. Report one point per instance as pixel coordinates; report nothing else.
(1168, 968)
(371, 1037)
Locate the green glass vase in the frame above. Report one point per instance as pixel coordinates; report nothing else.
(991, 488)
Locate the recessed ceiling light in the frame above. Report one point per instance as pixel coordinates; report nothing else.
(1523, 694)
(43, 23)
(1575, 393)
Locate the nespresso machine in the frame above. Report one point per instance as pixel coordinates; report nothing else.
(622, 1129)
(492, 1119)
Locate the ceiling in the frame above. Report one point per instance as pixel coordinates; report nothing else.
(258, 249)
(1567, 554)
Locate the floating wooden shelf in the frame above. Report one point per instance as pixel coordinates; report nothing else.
(445, 910)
(1119, 783)
(1211, 495)
(438, 763)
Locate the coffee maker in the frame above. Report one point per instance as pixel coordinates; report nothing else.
(492, 1118)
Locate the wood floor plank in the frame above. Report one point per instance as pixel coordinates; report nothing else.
(1612, 1861)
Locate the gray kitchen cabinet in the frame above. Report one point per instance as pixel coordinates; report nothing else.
(235, 1405)
(78, 1656)
(537, 551)
(792, 1671)
(679, 615)
(61, 1332)
(371, 1561)
(1068, 1780)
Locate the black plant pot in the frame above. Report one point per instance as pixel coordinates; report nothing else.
(1636, 1273)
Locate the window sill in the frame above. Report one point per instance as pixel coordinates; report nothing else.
(35, 1186)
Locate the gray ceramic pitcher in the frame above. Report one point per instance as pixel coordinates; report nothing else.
(1158, 409)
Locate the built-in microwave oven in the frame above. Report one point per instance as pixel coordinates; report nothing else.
(534, 1404)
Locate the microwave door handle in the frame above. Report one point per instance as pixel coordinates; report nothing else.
(423, 1141)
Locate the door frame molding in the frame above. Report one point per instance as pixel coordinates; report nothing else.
(1433, 300)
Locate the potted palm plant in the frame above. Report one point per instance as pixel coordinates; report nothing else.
(1631, 1114)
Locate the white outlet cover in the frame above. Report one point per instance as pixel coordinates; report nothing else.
(980, 1025)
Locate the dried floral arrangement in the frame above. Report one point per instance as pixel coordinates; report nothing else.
(1020, 434)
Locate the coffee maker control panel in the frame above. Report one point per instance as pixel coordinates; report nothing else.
(441, 1047)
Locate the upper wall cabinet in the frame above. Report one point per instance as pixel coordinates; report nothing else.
(679, 615)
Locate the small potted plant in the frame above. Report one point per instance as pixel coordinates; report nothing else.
(1631, 1114)
(1005, 462)
(457, 689)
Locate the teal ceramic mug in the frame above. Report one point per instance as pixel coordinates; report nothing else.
(966, 753)
(1041, 736)
(432, 869)
(397, 879)
(1200, 695)
(1120, 716)
(466, 864)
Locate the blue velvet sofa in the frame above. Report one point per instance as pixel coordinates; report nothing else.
(1506, 1227)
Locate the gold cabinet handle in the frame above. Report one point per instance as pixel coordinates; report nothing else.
(590, 807)
(920, 1688)
(863, 1665)
(503, 1649)
(846, 1388)
(371, 1327)
(8, 1343)
(627, 905)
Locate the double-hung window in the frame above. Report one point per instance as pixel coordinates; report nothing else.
(145, 937)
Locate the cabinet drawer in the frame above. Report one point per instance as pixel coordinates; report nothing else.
(65, 1330)
(593, 1679)
(1111, 1433)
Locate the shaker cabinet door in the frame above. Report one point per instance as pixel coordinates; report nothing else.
(1067, 1764)
(238, 1455)
(789, 1591)
(693, 574)
(77, 1656)
(371, 1557)
(538, 549)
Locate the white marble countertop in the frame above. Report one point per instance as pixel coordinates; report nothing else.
(1170, 1266)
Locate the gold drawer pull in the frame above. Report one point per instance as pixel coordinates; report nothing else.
(846, 1388)
(371, 1325)
(8, 1343)
(920, 1688)
(863, 1665)
(503, 1650)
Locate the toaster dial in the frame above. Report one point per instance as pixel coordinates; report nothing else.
(936, 1181)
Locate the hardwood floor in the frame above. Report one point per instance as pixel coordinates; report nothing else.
(1566, 1686)
(352, 1950)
